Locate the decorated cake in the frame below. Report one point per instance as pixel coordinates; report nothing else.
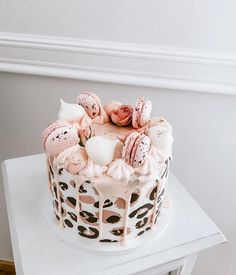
(107, 167)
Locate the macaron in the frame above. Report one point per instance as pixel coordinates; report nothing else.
(141, 112)
(52, 127)
(135, 148)
(58, 137)
(91, 103)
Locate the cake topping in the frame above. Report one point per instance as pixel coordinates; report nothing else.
(122, 116)
(161, 137)
(110, 106)
(74, 159)
(115, 156)
(91, 103)
(101, 150)
(118, 140)
(148, 168)
(84, 135)
(71, 112)
(52, 127)
(136, 148)
(58, 137)
(141, 113)
(93, 170)
(120, 170)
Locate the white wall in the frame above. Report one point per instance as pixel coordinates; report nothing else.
(204, 148)
(200, 24)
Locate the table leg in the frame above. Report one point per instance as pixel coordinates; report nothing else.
(187, 267)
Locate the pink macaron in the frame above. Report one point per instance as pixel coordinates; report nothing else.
(91, 103)
(58, 137)
(52, 127)
(135, 148)
(141, 112)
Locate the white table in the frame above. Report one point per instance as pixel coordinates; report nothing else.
(37, 251)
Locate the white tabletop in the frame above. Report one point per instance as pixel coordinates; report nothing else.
(38, 251)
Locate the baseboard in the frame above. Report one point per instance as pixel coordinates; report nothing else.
(7, 267)
(121, 63)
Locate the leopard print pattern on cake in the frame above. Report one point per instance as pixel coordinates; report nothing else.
(83, 218)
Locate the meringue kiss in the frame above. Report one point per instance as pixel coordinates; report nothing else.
(71, 112)
(101, 150)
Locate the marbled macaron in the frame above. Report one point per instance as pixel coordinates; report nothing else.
(135, 148)
(91, 103)
(141, 112)
(58, 137)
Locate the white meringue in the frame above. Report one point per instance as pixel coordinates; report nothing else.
(101, 150)
(120, 170)
(93, 170)
(161, 138)
(71, 112)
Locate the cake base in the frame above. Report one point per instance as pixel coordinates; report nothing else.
(69, 237)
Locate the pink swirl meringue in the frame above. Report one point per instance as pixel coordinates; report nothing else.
(93, 170)
(73, 159)
(120, 170)
(149, 168)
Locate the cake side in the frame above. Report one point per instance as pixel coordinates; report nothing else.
(105, 218)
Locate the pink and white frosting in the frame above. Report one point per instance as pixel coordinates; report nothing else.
(118, 140)
(120, 170)
(93, 170)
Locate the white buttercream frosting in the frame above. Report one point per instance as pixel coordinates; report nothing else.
(93, 170)
(71, 112)
(120, 170)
